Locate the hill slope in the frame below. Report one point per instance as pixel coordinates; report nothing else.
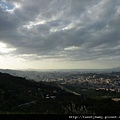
(18, 95)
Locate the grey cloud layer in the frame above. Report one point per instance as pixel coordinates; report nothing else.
(63, 29)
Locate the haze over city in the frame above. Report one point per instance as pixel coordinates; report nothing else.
(59, 34)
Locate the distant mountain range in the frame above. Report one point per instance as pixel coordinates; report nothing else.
(115, 69)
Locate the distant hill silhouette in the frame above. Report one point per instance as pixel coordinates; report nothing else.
(116, 69)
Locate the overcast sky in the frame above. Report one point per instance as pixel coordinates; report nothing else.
(59, 34)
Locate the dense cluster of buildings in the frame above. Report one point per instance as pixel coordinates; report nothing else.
(98, 81)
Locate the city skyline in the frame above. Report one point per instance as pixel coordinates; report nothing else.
(59, 34)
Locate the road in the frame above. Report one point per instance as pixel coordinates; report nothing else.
(67, 90)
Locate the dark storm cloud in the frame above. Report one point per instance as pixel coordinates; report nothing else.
(62, 29)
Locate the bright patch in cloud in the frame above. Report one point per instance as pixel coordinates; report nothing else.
(5, 49)
(72, 48)
(30, 25)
